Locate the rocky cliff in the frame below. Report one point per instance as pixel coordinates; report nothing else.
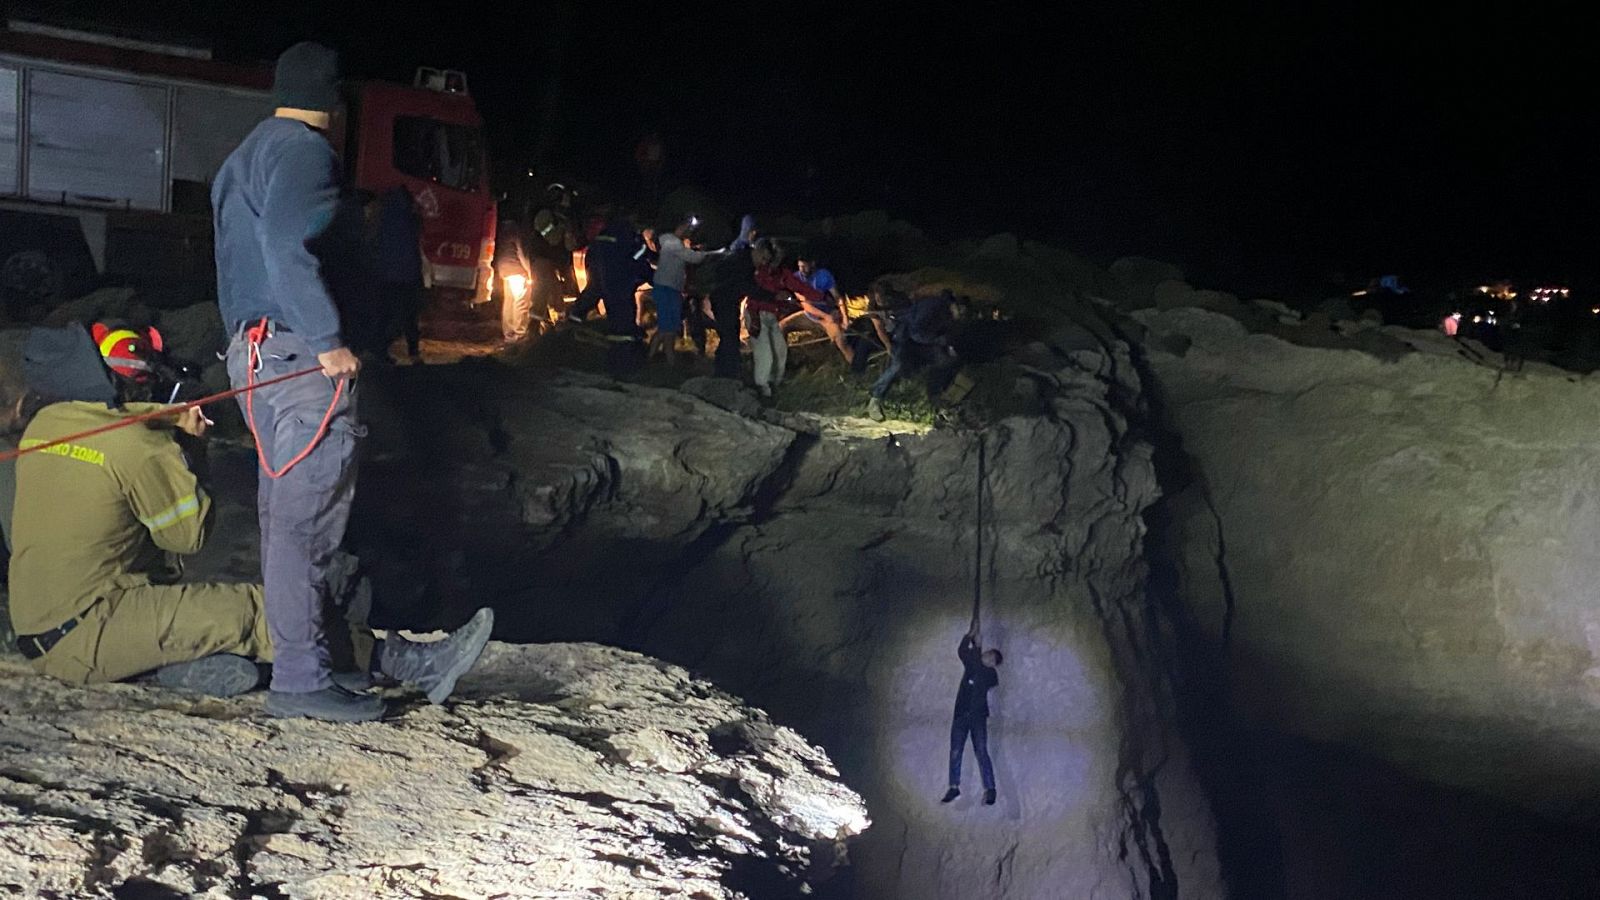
(1393, 554)
(825, 569)
(560, 771)
(1398, 554)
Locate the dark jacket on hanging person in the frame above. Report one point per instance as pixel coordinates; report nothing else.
(972, 699)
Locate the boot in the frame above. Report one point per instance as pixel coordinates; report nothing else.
(988, 797)
(434, 667)
(219, 675)
(354, 682)
(331, 704)
(950, 795)
(875, 410)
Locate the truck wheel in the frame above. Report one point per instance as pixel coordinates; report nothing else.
(31, 281)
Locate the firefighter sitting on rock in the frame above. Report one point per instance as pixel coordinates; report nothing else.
(100, 522)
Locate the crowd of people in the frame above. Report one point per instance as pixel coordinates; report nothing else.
(751, 293)
(105, 485)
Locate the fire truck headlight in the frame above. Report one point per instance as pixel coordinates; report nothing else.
(517, 286)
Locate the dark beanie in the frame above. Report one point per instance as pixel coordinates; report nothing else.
(307, 78)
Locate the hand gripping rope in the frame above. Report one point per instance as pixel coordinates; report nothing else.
(254, 336)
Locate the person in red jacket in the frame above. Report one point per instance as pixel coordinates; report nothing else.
(768, 303)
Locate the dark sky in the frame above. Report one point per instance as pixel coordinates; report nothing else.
(1264, 147)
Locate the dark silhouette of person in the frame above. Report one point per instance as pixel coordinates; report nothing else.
(972, 714)
(399, 263)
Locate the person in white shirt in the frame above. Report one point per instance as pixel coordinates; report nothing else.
(667, 287)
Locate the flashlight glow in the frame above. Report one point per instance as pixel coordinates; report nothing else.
(517, 286)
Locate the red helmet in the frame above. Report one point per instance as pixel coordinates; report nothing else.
(127, 351)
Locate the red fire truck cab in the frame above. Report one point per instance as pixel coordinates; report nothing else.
(108, 147)
(428, 138)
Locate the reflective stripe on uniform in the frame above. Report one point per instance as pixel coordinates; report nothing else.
(183, 509)
(70, 451)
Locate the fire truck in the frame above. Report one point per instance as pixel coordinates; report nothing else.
(108, 147)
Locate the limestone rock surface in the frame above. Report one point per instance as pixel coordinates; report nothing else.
(560, 771)
(1395, 554)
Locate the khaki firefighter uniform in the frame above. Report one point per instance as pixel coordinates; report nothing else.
(97, 529)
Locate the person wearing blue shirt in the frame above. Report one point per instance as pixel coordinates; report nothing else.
(829, 312)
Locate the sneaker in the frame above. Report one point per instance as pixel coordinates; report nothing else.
(331, 704)
(988, 797)
(435, 667)
(950, 795)
(218, 675)
(875, 410)
(354, 682)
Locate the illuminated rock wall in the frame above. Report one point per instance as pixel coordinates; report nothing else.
(825, 571)
(1395, 556)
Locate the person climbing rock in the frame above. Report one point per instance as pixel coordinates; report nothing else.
(919, 335)
(273, 203)
(972, 714)
(101, 523)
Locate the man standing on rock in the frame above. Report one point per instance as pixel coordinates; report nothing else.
(972, 714)
(273, 202)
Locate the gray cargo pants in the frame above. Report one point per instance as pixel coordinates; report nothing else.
(303, 514)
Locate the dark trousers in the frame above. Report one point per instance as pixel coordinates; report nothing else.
(622, 313)
(978, 727)
(906, 356)
(304, 513)
(699, 319)
(725, 310)
(587, 301)
(407, 300)
(624, 351)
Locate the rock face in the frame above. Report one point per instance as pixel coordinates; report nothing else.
(1397, 556)
(822, 568)
(829, 577)
(561, 771)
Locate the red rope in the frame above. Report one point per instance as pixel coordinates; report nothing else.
(156, 414)
(254, 336)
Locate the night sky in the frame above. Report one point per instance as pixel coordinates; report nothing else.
(1264, 149)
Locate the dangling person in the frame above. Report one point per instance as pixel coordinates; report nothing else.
(972, 714)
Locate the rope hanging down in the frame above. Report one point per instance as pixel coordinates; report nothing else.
(977, 562)
(156, 414)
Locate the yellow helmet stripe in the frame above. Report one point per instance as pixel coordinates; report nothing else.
(109, 342)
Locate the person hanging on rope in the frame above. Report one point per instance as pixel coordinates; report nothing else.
(972, 713)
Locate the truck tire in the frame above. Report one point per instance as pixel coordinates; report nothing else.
(44, 261)
(31, 281)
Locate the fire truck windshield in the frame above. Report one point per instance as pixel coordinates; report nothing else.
(451, 155)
